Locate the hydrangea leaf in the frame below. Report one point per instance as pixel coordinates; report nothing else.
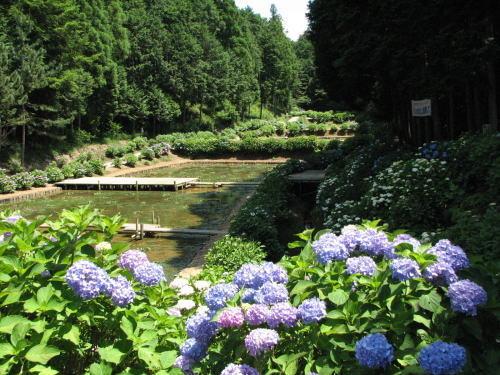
(111, 354)
(42, 353)
(431, 301)
(338, 297)
(7, 323)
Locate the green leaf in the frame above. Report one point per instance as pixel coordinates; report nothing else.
(43, 295)
(431, 301)
(41, 353)
(301, 286)
(73, 335)
(19, 333)
(338, 297)
(127, 327)
(7, 323)
(43, 370)
(421, 319)
(111, 354)
(31, 305)
(100, 369)
(6, 349)
(167, 359)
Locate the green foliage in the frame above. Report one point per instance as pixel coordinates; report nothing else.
(131, 160)
(230, 253)
(148, 153)
(117, 162)
(23, 180)
(40, 178)
(54, 174)
(7, 184)
(46, 328)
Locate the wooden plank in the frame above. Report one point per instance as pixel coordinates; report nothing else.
(127, 183)
(224, 183)
(311, 175)
(152, 228)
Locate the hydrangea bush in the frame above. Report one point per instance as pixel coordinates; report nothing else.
(349, 303)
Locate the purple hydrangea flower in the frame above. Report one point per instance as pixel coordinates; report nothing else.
(184, 363)
(218, 295)
(233, 369)
(257, 314)
(274, 272)
(363, 265)
(248, 296)
(271, 293)
(440, 274)
(374, 351)
(130, 259)
(121, 291)
(440, 358)
(149, 274)
(312, 310)
(405, 269)
(12, 219)
(261, 340)
(87, 280)
(465, 296)
(350, 236)
(329, 248)
(194, 349)
(201, 327)
(406, 238)
(249, 276)
(282, 313)
(231, 318)
(45, 274)
(450, 254)
(375, 243)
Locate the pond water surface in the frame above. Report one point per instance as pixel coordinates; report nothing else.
(191, 208)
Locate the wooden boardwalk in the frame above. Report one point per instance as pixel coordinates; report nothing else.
(131, 228)
(127, 183)
(309, 176)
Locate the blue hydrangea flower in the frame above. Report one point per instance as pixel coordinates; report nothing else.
(329, 248)
(261, 340)
(440, 274)
(274, 272)
(13, 219)
(121, 291)
(374, 351)
(233, 369)
(271, 293)
(465, 296)
(440, 358)
(194, 349)
(375, 243)
(405, 269)
(406, 238)
(312, 310)
(231, 318)
(131, 259)
(249, 276)
(184, 363)
(282, 313)
(87, 280)
(363, 265)
(149, 274)
(450, 254)
(201, 327)
(257, 314)
(350, 237)
(248, 296)
(219, 295)
(45, 274)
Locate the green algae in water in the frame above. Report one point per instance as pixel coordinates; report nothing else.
(212, 172)
(191, 208)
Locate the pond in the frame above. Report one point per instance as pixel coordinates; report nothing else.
(191, 208)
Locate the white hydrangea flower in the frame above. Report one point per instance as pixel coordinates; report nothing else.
(185, 304)
(174, 312)
(179, 282)
(186, 290)
(202, 309)
(202, 285)
(102, 246)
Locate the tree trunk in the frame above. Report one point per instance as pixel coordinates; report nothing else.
(261, 108)
(452, 131)
(436, 120)
(468, 108)
(492, 97)
(477, 108)
(23, 144)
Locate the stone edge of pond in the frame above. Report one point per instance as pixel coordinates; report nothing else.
(33, 193)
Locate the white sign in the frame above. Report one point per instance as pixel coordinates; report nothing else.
(421, 108)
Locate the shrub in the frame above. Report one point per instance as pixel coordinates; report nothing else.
(343, 307)
(96, 166)
(131, 160)
(148, 153)
(23, 180)
(117, 162)
(116, 151)
(15, 166)
(79, 169)
(230, 253)
(140, 142)
(7, 184)
(82, 137)
(294, 129)
(54, 174)
(40, 178)
(68, 170)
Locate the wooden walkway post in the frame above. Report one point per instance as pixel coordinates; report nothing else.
(175, 185)
(136, 185)
(136, 227)
(99, 185)
(142, 231)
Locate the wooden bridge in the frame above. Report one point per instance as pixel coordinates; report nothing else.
(127, 183)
